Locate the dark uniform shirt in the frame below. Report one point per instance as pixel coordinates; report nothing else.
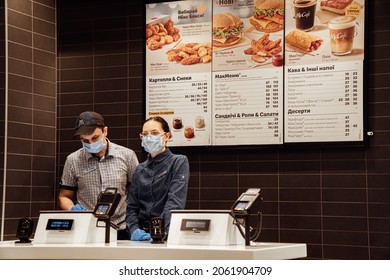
(159, 185)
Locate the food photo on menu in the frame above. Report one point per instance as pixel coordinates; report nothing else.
(268, 15)
(159, 35)
(178, 68)
(178, 35)
(227, 30)
(324, 31)
(248, 34)
(161, 32)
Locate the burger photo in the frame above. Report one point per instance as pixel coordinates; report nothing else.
(227, 30)
(268, 15)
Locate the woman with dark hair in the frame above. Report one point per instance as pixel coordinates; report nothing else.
(159, 184)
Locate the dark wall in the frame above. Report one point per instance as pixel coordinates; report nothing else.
(335, 199)
(28, 161)
(2, 101)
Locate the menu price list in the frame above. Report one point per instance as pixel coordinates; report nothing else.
(183, 101)
(324, 103)
(247, 108)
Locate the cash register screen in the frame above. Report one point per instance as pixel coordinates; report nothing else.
(59, 224)
(195, 224)
(102, 209)
(241, 205)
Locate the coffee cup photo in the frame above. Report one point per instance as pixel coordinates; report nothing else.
(304, 12)
(340, 38)
(342, 31)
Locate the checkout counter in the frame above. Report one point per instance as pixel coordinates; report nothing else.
(194, 235)
(144, 250)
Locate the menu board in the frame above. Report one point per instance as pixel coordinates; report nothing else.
(178, 69)
(324, 57)
(256, 72)
(247, 107)
(247, 97)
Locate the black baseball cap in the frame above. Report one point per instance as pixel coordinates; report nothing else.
(87, 122)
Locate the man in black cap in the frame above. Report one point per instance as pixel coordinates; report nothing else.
(98, 165)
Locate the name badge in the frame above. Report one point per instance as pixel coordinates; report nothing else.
(89, 170)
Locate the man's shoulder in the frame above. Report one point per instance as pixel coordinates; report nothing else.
(116, 149)
(119, 147)
(76, 154)
(77, 158)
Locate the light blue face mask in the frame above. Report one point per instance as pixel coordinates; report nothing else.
(152, 144)
(95, 147)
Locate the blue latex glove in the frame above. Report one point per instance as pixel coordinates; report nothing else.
(140, 235)
(77, 207)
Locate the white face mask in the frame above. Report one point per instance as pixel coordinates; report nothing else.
(95, 147)
(152, 144)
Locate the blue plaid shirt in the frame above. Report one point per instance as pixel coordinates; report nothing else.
(88, 176)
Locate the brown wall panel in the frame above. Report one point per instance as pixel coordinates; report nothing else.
(31, 111)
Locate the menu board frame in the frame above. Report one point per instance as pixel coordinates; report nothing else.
(210, 140)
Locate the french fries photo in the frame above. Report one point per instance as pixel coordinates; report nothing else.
(263, 48)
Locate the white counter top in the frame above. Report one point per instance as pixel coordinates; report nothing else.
(135, 250)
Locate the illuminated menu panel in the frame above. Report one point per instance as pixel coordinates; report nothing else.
(324, 103)
(184, 102)
(248, 106)
(295, 76)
